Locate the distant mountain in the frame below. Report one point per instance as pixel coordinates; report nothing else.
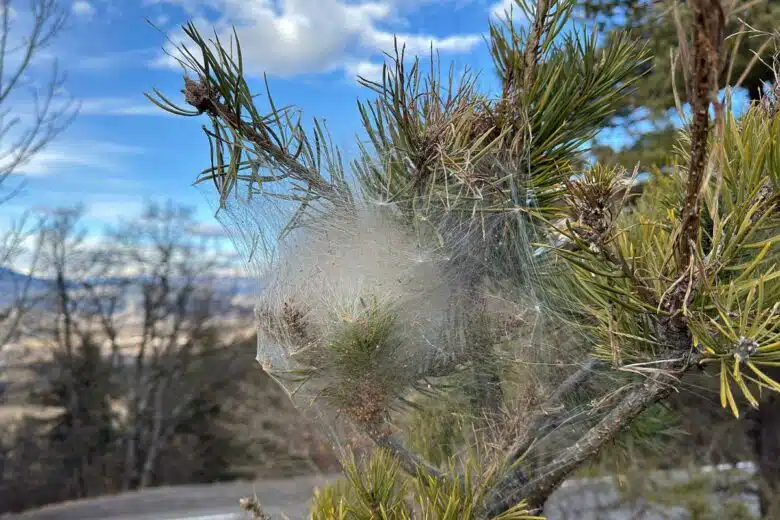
(10, 280)
(225, 286)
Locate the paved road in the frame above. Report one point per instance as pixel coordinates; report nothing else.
(208, 502)
(591, 499)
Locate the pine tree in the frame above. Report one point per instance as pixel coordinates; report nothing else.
(471, 238)
(84, 434)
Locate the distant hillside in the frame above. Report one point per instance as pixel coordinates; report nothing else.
(12, 281)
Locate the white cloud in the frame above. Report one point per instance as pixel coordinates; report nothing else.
(421, 44)
(67, 155)
(308, 36)
(500, 9)
(366, 69)
(83, 8)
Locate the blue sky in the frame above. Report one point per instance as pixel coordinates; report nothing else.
(122, 151)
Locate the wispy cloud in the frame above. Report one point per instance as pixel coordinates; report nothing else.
(420, 43)
(114, 60)
(161, 20)
(108, 210)
(83, 8)
(69, 154)
(119, 106)
(210, 230)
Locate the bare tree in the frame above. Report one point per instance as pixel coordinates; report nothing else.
(23, 139)
(24, 37)
(151, 299)
(134, 336)
(76, 376)
(167, 331)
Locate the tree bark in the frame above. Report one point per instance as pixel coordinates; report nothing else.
(155, 440)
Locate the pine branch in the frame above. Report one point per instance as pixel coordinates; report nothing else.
(537, 491)
(551, 476)
(673, 332)
(412, 463)
(200, 97)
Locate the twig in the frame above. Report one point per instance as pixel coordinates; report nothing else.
(544, 421)
(252, 506)
(531, 55)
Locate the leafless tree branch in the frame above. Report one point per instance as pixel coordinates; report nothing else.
(23, 139)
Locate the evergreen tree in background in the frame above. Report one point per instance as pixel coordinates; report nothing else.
(644, 117)
(84, 434)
